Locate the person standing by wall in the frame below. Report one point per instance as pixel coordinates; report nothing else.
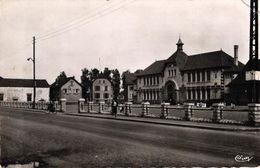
(114, 107)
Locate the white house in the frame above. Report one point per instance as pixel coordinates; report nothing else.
(22, 90)
(102, 90)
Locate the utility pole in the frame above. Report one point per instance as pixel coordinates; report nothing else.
(252, 74)
(34, 81)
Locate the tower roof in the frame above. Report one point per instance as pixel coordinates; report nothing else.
(179, 44)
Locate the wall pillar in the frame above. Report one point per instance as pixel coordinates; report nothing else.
(217, 111)
(128, 108)
(145, 109)
(63, 105)
(254, 114)
(90, 107)
(188, 111)
(101, 107)
(81, 105)
(165, 110)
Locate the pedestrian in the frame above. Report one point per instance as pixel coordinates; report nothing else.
(114, 107)
(51, 107)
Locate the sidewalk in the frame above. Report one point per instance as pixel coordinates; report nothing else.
(190, 124)
(170, 122)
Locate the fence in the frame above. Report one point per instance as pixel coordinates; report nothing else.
(38, 105)
(29, 105)
(218, 113)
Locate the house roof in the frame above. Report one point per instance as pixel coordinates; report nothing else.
(214, 59)
(7, 82)
(179, 58)
(155, 68)
(241, 77)
(60, 83)
(129, 78)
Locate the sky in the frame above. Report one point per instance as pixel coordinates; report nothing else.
(123, 34)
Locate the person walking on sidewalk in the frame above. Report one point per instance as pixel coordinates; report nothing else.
(114, 107)
(51, 107)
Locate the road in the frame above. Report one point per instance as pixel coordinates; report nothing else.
(57, 140)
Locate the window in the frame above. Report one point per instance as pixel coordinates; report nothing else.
(175, 72)
(29, 97)
(15, 98)
(203, 94)
(203, 76)
(198, 76)
(106, 88)
(193, 76)
(208, 75)
(193, 94)
(198, 94)
(97, 95)
(77, 90)
(99, 81)
(106, 95)
(169, 72)
(189, 94)
(65, 91)
(189, 78)
(97, 88)
(104, 81)
(1, 97)
(208, 94)
(158, 80)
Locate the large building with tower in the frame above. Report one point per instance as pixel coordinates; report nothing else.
(181, 78)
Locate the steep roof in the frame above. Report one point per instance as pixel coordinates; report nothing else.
(60, 83)
(214, 59)
(241, 77)
(7, 82)
(155, 68)
(179, 58)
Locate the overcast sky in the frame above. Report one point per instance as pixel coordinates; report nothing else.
(124, 34)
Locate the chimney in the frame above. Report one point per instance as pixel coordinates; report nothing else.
(236, 55)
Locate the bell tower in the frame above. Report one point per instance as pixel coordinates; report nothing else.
(179, 45)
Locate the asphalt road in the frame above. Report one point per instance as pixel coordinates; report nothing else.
(56, 140)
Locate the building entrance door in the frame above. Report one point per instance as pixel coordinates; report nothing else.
(171, 93)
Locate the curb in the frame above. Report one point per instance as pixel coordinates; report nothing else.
(169, 124)
(243, 128)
